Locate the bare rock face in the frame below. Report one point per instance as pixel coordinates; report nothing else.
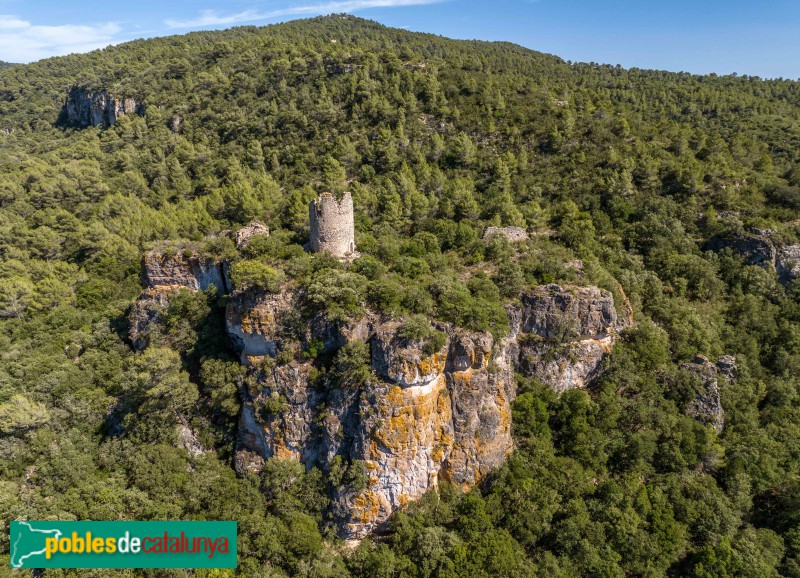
(564, 314)
(706, 407)
(788, 263)
(726, 367)
(513, 234)
(403, 439)
(563, 334)
(253, 321)
(255, 228)
(481, 399)
(165, 273)
(759, 248)
(97, 108)
(564, 366)
(183, 269)
(756, 248)
(424, 416)
(146, 313)
(280, 415)
(430, 409)
(403, 361)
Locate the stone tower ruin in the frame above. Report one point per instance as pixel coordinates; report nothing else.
(332, 227)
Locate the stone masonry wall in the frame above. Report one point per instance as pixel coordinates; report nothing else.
(332, 225)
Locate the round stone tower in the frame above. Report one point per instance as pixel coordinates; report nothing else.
(332, 227)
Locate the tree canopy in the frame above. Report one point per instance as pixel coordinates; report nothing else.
(631, 173)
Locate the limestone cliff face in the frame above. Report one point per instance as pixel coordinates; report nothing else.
(253, 322)
(756, 247)
(165, 273)
(563, 334)
(425, 415)
(85, 107)
(431, 409)
(482, 390)
(706, 406)
(759, 247)
(179, 269)
(402, 361)
(403, 438)
(788, 263)
(255, 228)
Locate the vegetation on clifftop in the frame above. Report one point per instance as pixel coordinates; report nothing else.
(629, 171)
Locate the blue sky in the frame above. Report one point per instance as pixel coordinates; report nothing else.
(701, 36)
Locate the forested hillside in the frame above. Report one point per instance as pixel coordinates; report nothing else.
(677, 193)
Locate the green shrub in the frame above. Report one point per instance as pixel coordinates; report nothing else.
(418, 328)
(256, 275)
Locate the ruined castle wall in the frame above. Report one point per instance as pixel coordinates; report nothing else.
(332, 225)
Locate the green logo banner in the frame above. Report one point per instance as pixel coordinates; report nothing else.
(123, 544)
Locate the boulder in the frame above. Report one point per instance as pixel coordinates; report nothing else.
(255, 228)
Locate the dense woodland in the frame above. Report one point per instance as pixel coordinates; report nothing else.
(630, 171)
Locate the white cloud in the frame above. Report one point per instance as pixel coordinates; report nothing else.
(22, 41)
(214, 18)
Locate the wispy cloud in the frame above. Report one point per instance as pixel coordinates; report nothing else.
(22, 41)
(215, 18)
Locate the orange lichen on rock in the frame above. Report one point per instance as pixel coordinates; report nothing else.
(408, 417)
(430, 366)
(259, 320)
(366, 507)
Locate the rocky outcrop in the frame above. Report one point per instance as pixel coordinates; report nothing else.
(706, 405)
(788, 264)
(756, 247)
(255, 228)
(428, 412)
(183, 268)
(165, 272)
(281, 413)
(430, 408)
(146, 313)
(564, 366)
(86, 107)
(481, 400)
(424, 415)
(253, 321)
(403, 438)
(759, 247)
(513, 234)
(403, 361)
(563, 334)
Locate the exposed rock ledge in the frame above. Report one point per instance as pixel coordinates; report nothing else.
(706, 406)
(758, 247)
(166, 272)
(563, 334)
(513, 234)
(85, 107)
(423, 416)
